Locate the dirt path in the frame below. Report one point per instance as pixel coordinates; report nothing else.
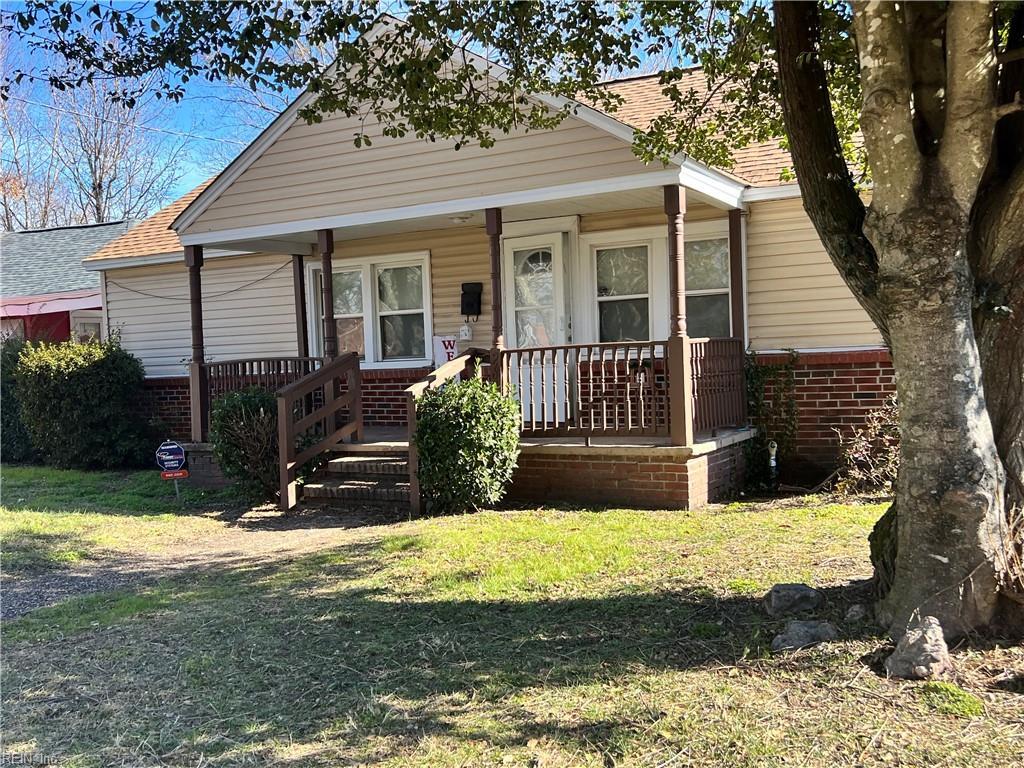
(258, 536)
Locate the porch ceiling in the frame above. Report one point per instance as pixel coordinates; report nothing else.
(623, 200)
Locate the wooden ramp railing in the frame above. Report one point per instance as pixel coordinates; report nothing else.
(310, 419)
(583, 390)
(464, 365)
(719, 385)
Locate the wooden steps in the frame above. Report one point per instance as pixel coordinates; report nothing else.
(364, 474)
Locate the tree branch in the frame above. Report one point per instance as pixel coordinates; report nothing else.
(971, 86)
(886, 118)
(926, 28)
(829, 194)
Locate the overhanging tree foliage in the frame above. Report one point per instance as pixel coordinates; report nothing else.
(926, 96)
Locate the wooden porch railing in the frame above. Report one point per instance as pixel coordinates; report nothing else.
(719, 387)
(587, 390)
(465, 364)
(269, 373)
(308, 422)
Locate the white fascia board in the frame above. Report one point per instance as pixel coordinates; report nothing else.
(445, 208)
(711, 183)
(828, 350)
(776, 192)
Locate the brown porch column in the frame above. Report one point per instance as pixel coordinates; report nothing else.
(680, 384)
(736, 272)
(492, 217)
(299, 283)
(325, 241)
(198, 391)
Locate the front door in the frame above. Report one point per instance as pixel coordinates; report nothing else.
(535, 316)
(534, 293)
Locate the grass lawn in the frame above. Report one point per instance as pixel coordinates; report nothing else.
(51, 518)
(530, 638)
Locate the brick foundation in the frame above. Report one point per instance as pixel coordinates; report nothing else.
(833, 390)
(384, 395)
(203, 470)
(167, 403)
(167, 400)
(668, 477)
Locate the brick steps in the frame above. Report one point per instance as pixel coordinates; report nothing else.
(363, 489)
(368, 476)
(360, 464)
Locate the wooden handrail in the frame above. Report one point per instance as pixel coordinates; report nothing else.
(468, 362)
(284, 358)
(314, 402)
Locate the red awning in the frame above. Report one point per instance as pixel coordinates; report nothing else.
(20, 306)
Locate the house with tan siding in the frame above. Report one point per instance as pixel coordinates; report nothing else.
(615, 300)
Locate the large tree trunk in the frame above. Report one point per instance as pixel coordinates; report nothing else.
(951, 527)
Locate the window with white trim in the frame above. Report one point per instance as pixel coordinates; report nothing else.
(708, 305)
(401, 314)
(381, 308)
(623, 292)
(86, 325)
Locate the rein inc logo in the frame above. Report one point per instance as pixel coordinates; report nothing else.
(27, 758)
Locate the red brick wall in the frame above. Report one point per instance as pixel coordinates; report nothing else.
(657, 480)
(833, 390)
(167, 402)
(384, 394)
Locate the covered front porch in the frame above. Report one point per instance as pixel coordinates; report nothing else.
(586, 324)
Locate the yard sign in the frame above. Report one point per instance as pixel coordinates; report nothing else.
(170, 457)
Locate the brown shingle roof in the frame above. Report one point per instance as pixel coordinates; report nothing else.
(153, 236)
(757, 164)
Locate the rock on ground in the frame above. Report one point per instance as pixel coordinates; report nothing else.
(787, 599)
(921, 652)
(856, 614)
(802, 634)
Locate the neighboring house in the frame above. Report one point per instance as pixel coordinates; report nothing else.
(45, 292)
(616, 298)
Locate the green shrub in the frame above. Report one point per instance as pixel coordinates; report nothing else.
(82, 404)
(243, 430)
(14, 443)
(467, 436)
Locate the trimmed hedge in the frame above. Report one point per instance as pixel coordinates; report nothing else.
(467, 437)
(14, 442)
(243, 430)
(81, 404)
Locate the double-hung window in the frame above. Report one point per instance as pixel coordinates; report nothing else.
(381, 308)
(708, 308)
(623, 292)
(401, 317)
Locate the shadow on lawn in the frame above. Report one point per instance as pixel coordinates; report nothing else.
(285, 654)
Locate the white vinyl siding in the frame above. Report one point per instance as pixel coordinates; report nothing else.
(315, 171)
(796, 297)
(149, 307)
